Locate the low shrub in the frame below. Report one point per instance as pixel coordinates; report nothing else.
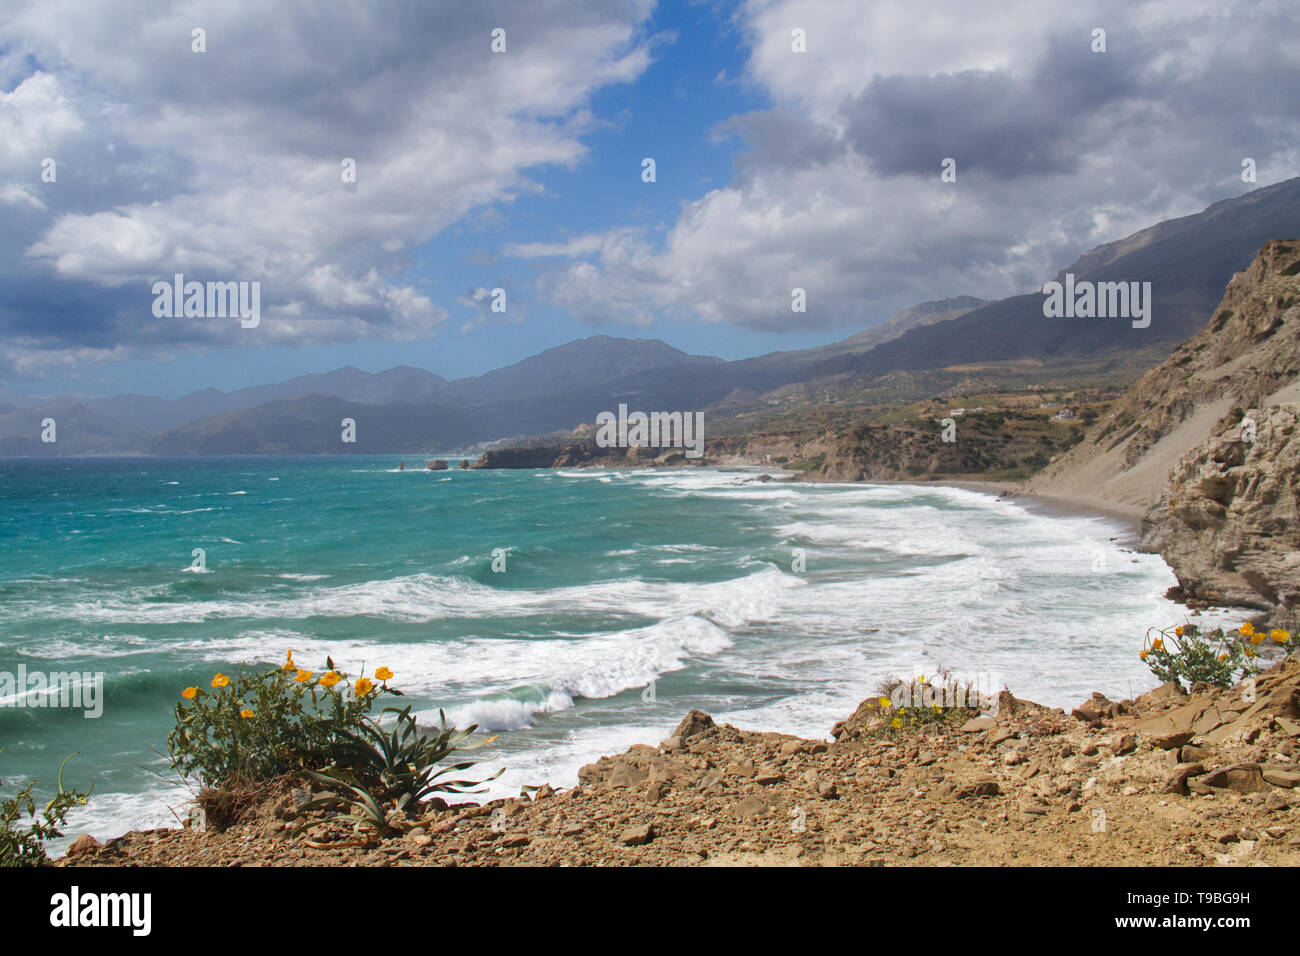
(24, 844)
(262, 724)
(1188, 656)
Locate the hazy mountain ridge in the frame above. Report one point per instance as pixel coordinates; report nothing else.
(938, 344)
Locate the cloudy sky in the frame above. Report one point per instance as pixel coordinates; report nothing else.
(522, 170)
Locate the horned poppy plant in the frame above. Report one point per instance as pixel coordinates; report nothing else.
(364, 686)
(383, 674)
(265, 723)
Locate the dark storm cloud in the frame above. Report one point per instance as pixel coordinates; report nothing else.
(996, 122)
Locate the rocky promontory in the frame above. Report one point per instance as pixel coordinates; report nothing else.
(1170, 778)
(1205, 445)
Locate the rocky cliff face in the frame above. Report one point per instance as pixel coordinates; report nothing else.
(1205, 444)
(1229, 522)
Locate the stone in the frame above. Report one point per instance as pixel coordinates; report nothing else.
(1275, 801)
(766, 778)
(1178, 779)
(1281, 778)
(1123, 743)
(751, 807)
(514, 840)
(979, 787)
(1287, 726)
(694, 723)
(1242, 777)
(1170, 741)
(1191, 754)
(1207, 721)
(84, 845)
(977, 724)
(638, 835)
(673, 743)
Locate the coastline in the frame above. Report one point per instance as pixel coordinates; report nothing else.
(1167, 779)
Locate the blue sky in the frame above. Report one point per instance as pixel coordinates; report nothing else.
(776, 169)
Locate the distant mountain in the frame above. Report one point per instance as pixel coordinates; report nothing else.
(312, 425)
(151, 413)
(78, 430)
(932, 346)
(1188, 262)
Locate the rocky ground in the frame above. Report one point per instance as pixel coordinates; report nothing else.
(1167, 779)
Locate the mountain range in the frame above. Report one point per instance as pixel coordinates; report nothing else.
(921, 351)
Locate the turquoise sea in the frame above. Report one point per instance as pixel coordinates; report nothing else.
(627, 598)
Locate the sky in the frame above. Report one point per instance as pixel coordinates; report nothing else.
(796, 144)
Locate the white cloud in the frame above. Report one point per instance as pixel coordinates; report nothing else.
(226, 164)
(1058, 149)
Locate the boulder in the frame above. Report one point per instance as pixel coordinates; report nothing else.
(694, 723)
(84, 845)
(1242, 777)
(1281, 777)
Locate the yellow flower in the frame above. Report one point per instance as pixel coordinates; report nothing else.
(1158, 644)
(1257, 638)
(884, 702)
(383, 674)
(245, 713)
(937, 708)
(330, 679)
(1179, 630)
(1248, 629)
(1223, 657)
(302, 676)
(1143, 655)
(189, 693)
(364, 686)
(1279, 636)
(221, 680)
(1250, 653)
(897, 721)
(289, 665)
